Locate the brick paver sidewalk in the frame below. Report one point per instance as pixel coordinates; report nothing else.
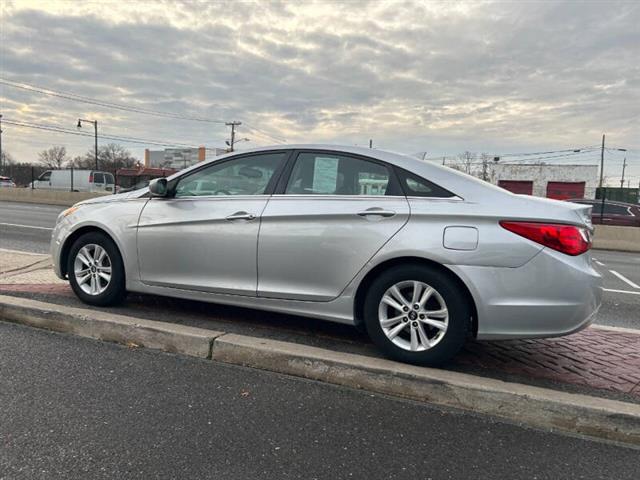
(596, 357)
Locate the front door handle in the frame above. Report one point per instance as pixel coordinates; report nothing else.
(377, 211)
(241, 216)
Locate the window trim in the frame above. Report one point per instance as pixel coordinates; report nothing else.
(281, 187)
(268, 189)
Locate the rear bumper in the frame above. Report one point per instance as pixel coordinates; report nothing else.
(551, 295)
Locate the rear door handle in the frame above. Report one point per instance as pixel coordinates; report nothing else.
(377, 211)
(241, 216)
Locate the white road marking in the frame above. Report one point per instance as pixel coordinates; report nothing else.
(620, 291)
(32, 226)
(599, 263)
(625, 279)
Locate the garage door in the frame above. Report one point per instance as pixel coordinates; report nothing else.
(523, 187)
(565, 190)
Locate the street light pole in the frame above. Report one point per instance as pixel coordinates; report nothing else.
(95, 130)
(601, 162)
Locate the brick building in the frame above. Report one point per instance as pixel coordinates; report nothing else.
(544, 180)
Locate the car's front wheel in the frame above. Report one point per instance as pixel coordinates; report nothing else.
(417, 314)
(95, 270)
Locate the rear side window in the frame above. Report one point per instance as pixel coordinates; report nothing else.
(109, 178)
(415, 186)
(329, 174)
(98, 178)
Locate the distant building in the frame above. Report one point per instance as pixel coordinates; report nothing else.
(178, 158)
(544, 180)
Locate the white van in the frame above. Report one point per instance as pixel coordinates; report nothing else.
(83, 181)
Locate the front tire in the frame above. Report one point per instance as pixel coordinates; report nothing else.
(417, 314)
(96, 271)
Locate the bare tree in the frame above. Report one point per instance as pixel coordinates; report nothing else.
(467, 159)
(54, 157)
(110, 157)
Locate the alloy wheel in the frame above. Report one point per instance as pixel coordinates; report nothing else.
(92, 269)
(413, 315)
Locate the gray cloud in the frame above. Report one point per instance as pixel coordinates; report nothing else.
(441, 77)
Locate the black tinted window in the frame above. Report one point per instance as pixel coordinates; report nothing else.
(415, 186)
(45, 177)
(615, 209)
(98, 178)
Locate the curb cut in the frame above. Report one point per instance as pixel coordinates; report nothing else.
(535, 406)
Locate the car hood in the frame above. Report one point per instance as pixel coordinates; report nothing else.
(118, 197)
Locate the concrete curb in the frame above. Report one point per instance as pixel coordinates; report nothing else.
(110, 327)
(603, 418)
(540, 407)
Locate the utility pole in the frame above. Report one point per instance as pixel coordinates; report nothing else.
(233, 126)
(624, 165)
(602, 162)
(0, 143)
(371, 143)
(484, 167)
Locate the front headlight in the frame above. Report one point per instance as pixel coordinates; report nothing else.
(68, 211)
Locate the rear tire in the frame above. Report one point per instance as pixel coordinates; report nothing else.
(417, 314)
(96, 271)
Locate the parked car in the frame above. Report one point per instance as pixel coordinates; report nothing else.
(82, 181)
(427, 259)
(612, 213)
(6, 182)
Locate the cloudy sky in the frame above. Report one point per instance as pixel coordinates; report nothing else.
(440, 77)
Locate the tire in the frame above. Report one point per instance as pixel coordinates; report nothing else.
(91, 245)
(428, 339)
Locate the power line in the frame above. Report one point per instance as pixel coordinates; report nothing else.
(104, 103)
(120, 138)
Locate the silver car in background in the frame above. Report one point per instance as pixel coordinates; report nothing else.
(421, 255)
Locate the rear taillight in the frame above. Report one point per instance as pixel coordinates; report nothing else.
(91, 177)
(563, 238)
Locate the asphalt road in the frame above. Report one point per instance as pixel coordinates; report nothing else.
(74, 408)
(27, 227)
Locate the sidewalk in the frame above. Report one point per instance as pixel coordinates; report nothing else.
(599, 358)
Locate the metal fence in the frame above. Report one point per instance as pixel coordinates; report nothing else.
(25, 175)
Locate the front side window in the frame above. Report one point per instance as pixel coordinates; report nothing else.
(45, 177)
(328, 174)
(242, 176)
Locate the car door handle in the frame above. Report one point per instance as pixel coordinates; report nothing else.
(377, 211)
(241, 216)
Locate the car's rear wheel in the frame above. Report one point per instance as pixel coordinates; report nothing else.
(95, 270)
(417, 314)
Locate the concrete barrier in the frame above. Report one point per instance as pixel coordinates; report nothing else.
(608, 237)
(49, 197)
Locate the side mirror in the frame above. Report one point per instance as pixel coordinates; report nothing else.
(158, 187)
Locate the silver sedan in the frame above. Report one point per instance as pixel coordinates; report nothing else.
(421, 255)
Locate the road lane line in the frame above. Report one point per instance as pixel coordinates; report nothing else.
(620, 291)
(599, 263)
(22, 252)
(625, 279)
(32, 226)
